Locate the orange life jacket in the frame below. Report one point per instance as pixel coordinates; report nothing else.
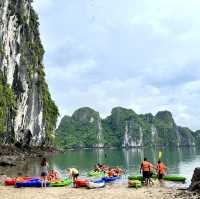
(161, 168)
(145, 166)
(110, 173)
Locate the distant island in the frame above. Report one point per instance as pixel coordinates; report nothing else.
(123, 129)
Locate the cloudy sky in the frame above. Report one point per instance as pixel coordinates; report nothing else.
(139, 54)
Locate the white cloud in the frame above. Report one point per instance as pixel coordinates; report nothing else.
(139, 54)
(71, 71)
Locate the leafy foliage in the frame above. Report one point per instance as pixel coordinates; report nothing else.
(7, 102)
(80, 130)
(77, 131)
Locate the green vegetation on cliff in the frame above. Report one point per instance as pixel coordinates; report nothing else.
(166, 128)
(7, 103)
(123, 128)
(82, 129)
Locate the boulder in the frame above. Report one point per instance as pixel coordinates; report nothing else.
(195, 182)
(8, 161)
(2, 179)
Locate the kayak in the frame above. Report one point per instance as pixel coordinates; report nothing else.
(96, 174)
(12, 181)
(29, 183)
(140, 178)
(175, 178)
(96, 184)
(168, 178)
(134, 183)
(81, 183)
(60, 183)
(110, 179)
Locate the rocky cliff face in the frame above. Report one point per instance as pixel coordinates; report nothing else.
(124, 128)
(83, 129)
(31, 117)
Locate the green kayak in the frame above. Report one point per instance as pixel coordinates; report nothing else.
(135, 178)
(61, 183)
(175, 178)
(96, 174)
(168, 178)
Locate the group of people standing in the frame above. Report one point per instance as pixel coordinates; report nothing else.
(148, 169)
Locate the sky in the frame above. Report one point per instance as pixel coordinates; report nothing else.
(138, 54)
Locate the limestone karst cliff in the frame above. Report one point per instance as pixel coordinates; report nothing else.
(123, 128)
(27, 113)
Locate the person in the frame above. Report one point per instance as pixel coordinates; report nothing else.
(53, 175)
(145, 169)
(73, 173)
(44, 172)
(96, 168)
(118, 171)
(161, 171)
(151, 173)
(110, 173)
(105, 168)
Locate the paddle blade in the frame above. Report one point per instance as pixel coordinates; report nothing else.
(160, 155)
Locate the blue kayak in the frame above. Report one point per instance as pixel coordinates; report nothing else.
(110, 179)
(29, 183)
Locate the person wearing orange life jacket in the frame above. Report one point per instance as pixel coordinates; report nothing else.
(145, 168)
(110, 172)
(161, 170)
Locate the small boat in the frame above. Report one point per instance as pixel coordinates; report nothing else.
(110, 179)
(168, 178)
(29, 183)
(96, 184)
(60, 183)
(96, 174)
(12, 181)
(134, 183)
(175, 178)
(140, 178)
(81, 183)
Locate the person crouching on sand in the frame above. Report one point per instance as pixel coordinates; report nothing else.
(44, 172)
(73, 173)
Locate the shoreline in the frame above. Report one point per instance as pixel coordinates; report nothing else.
(11, 150)
(11, 156)
(128, 148)
(111, 191)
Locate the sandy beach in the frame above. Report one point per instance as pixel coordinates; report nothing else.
(109, 192)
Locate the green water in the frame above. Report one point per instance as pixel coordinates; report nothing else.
(178, 161)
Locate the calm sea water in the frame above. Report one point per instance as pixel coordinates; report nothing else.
(180, 161)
